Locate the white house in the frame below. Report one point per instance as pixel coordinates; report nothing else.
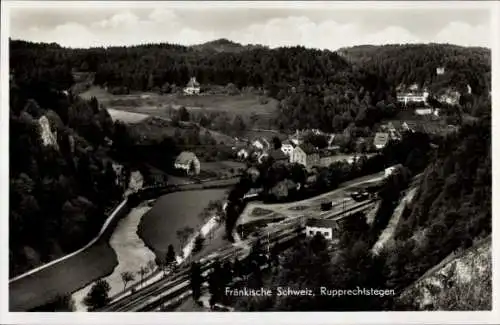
(258, 144)
(381, 139)
(242, 153)
(327, 228)
(423, 111)
(440, 71)
(188, 162)
(287, 147)
(192, 87)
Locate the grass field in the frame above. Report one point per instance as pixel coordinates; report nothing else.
(243, 104)
(126, 117)
(172, 212)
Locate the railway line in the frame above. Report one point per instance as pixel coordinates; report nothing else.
(162, 292)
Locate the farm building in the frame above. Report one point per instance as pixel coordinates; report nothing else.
(325, 227)
(188, 162)
(381, 139)
(305, 155)
(287, 147)
(192, 87)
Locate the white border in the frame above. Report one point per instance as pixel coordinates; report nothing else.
(243, 318)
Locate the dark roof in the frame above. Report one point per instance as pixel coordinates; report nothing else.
(277, 154)
(324, 223)
(308, 149)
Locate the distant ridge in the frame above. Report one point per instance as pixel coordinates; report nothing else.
(225, 45)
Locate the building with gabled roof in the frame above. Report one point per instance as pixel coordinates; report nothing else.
(305, 155)
(380, 140)
(192, 87)
(326, 227)
(188, 162)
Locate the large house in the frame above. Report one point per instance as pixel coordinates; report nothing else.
(188, 162)
(305, 155)
(192, 87)
(380, 140)
(412, 97)
(326, 228)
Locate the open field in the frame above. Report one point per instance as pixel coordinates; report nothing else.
(172, 212)
(148, 103)
(126, 117)
(224, 168)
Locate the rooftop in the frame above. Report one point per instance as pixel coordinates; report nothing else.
(193, 83)
(381, 138)
(323, 223)
(277, 154)
(185, 157)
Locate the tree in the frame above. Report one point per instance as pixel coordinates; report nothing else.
(142, 272)
(151, 265)
(98, 295)
(184, 114)
(170, 256)
(126, 278)
(198, 243)
(276, 143)
(183, 234)
(196, 280)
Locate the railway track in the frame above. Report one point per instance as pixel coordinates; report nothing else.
(165, 290)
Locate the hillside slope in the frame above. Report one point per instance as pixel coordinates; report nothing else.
(418, 63)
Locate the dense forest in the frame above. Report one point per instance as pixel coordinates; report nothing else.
(60, 190)
(404, 65)
(327, 90)
(451, 212)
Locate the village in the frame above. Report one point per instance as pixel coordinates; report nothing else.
(420, 111)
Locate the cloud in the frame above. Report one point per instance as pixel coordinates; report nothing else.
(167, 25)
(464, 34)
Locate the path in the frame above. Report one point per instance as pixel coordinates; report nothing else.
(393, 222)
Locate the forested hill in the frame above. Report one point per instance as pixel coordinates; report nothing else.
(417, 63)
(62, 181)
(319, 86)
(225, 45)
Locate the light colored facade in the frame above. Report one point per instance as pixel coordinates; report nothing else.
(381, 139)
(243, 154)
(193, 87)
(423, 111)
(287, 148)
(327, 228)
(258, 144)
(412, 97)
(308, 160)
(188, 162)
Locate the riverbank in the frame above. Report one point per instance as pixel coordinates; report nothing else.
(131, 254)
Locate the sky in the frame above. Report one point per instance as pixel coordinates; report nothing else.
(330, 27)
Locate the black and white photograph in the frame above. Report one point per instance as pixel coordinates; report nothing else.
(197, 157)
